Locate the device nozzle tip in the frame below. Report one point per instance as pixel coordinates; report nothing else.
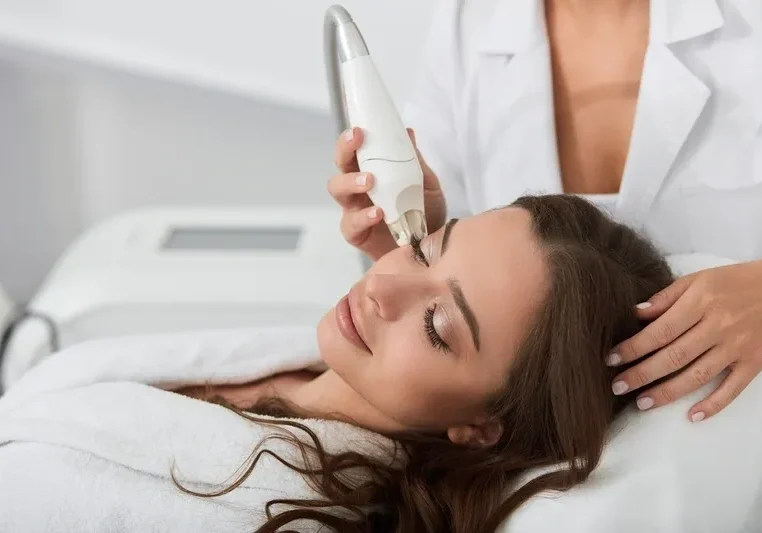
(410, 226)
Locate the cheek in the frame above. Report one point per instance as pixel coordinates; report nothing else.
(406, 379)
(418, 385)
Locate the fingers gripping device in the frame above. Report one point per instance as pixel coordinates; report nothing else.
(360, 99)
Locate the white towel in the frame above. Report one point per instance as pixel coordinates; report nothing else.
(86, 445)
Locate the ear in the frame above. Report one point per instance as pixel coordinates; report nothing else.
(480, 435)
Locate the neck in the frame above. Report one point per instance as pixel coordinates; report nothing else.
(328, 396)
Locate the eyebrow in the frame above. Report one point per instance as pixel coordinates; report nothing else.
(465, 309)
(446, 237)
(457, 292)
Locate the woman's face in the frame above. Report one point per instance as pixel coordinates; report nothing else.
(427, 335)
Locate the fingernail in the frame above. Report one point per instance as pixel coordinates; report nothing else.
(372, 212)
(613, 359)
(361, 179)
(349, 135)
(644, 305)
(645, 403)
(620, 387)
(698, 417)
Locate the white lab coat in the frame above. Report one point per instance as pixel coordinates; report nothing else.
(482, 109)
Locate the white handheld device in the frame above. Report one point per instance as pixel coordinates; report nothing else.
(360, 99)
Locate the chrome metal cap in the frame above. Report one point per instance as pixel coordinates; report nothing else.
(410, 226)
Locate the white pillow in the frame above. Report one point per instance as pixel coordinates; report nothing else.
(660, 473)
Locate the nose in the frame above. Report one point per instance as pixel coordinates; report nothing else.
(394, 294)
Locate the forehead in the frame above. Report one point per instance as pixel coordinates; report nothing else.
(499, 263)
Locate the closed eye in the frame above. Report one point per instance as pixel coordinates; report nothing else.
(434, 338)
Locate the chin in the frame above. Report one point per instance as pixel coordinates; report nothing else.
(335, 351)
(329, 338)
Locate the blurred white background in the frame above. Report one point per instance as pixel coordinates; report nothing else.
(109, 105)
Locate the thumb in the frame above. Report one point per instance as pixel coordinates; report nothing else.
(660, 302)
(430, 180)
(411, 134)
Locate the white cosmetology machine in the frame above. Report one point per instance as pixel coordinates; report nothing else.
(164, 270)
(360, 99)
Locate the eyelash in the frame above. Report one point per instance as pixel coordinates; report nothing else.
(428, 316)
(431, 331)
(415, 246)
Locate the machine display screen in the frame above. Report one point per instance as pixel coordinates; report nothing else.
(249, 238)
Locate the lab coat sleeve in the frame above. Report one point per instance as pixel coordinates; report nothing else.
(431, 109)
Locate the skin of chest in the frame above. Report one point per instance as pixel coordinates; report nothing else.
(597, 67)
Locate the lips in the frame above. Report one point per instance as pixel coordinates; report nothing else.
(348, 323)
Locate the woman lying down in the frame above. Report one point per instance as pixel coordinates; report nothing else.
(449, 371)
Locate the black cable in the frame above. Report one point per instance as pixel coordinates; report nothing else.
(54, 338)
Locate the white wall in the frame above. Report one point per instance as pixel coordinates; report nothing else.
(108, 106)
(152, 143)
(39, 200)
(269, 48)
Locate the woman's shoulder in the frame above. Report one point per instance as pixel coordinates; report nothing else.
(120, 443)
(39, 480)
(147, 429)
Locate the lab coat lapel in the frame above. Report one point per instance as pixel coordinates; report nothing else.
(512, 100)
(670, 102)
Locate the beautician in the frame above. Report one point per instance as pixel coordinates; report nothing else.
(653, 110)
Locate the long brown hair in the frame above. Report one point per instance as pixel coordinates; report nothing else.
(556, 406)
